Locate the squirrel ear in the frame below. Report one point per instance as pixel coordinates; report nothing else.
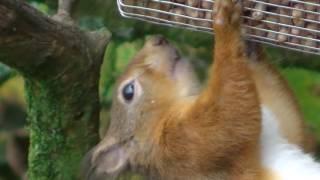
(112, 161)
(106, 163)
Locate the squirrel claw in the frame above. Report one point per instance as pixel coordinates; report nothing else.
(227, 14)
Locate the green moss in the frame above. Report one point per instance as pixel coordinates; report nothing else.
(62, 126)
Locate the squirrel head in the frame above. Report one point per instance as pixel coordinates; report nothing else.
(155, 81)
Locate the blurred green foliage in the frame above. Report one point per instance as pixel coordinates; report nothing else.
(306, 86)
(5, 73)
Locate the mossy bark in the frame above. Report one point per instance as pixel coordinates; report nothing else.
(61, 66)
(63, 118)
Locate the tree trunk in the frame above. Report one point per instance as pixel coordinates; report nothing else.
(61, 67)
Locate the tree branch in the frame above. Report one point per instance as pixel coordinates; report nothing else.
(27, 33)
(65, 6)
(64, 11)
(61, 66)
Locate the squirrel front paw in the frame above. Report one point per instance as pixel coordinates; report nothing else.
(227, 16)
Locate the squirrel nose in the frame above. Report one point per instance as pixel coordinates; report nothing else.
(158, 40)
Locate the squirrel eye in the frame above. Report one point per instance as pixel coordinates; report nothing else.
(128, 92)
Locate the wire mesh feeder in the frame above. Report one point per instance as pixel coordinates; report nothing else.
(291, 24)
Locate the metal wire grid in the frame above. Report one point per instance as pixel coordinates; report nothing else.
(140, 11)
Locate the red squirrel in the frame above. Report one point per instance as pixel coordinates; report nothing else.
(165, 127)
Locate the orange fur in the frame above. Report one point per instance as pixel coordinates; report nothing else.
(222, 123)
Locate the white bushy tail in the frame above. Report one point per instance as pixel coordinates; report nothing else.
(288, 161)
